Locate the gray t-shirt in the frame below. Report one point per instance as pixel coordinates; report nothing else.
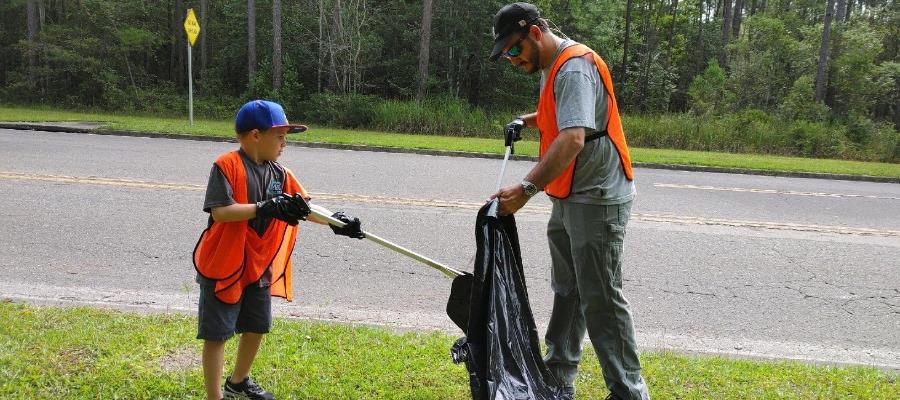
(264, 181)
(581, 100)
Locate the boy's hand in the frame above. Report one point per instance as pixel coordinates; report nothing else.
(281, 207)
(302, 205)
(353, 228)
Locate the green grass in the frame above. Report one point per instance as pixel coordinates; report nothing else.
(84, 353)
(479, 145)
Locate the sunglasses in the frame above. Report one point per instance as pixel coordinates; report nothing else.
(516, 49)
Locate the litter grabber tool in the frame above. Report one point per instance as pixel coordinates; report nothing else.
(325, 215)
(460, 290)
(511, 134)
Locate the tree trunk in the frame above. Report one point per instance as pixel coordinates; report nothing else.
(42, 14)
(424, 49)
(181, 58)
(671, 35)
(178, 66)
(321, 60)
(204, 32)
(31, 31)
(738, 15)
(823, 52)
(474, 63)
(752, 7)
(251, 41)
(700, 61)
(726, 30)
(840, 11)
(847, 12)
(650, 40)
(623, 72)
(336, 44)
(276, 44)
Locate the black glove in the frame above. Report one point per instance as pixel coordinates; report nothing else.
(302, 206)
(352, 229)
(281, 207)
(513, 133)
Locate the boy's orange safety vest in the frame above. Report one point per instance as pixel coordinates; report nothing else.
(234, 255)
(561, 186)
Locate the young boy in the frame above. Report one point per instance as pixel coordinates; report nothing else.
(244, 256)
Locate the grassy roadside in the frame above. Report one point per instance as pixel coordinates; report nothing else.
(480, 145)
(84, 353)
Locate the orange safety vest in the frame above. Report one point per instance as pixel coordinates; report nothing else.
(234, 255)
(561, 186)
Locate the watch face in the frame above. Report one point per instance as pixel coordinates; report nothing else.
(530, 189)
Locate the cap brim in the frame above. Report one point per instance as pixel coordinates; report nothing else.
(499, 44)
(292, 128)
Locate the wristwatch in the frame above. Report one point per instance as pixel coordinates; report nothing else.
(530, 188)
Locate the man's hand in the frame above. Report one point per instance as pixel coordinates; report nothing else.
(513, 131)
(282, 207)
(512, 198)
(353, 228)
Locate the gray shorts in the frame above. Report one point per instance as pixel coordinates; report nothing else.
(220, 321)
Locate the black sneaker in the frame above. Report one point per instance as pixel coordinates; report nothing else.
(246, 390)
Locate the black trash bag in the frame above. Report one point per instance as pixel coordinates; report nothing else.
(501, 348)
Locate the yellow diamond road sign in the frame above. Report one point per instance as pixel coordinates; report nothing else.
(191, 26)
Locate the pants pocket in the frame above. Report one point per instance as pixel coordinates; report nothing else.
(614, 249)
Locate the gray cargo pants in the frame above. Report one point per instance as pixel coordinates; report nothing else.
(586, 249)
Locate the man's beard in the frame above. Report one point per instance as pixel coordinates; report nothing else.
(534, 59)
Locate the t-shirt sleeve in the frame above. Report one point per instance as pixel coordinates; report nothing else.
(578, 88)
(218, 190)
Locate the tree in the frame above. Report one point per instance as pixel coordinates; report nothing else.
(737, 16)
(276, 44)
(31, 26)
(251, 42)
(623, 73)
(204, 28)
(823, 52)
(424, 49)
(799, 103)
(320, 60)
(671, 33)
(726, 29)
(840, 11)
(709, 93)
(177, 66)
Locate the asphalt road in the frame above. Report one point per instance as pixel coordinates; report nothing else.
(715, 263)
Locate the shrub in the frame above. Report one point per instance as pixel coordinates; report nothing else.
(814, 139)
(349, 111)
(443, 116)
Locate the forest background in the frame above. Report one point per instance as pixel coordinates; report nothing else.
(813, 78)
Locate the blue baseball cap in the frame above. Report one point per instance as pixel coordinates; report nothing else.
(262, 115)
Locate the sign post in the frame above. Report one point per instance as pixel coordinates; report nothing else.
(192, 29)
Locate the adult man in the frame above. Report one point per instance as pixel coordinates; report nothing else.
(586, 170)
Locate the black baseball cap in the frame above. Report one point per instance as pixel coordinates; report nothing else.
(512, 18)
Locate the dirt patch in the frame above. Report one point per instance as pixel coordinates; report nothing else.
(72, 360)
(179, 360)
